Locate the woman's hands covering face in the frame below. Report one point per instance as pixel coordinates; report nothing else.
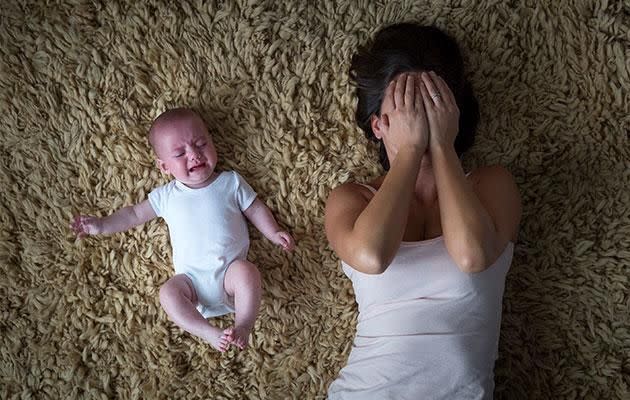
(403, 120)
(418, 111)
(441, 109)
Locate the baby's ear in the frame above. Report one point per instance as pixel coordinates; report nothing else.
(379, 125)
(161, 165)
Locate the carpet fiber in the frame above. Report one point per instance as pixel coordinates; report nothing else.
(80, 82)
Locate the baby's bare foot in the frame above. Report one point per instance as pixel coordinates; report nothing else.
(217, 339)
(237, 336)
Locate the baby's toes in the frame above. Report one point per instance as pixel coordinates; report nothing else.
(227, 340)
(223, 345)
(228, 334)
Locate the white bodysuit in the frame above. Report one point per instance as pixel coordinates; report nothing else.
(425, 329)
(208, 232)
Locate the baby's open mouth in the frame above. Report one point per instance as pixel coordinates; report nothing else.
(196, 167)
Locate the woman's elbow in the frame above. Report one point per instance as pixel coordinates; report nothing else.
(472, 256)
(474, 260)
(471, 264)
(372, 263)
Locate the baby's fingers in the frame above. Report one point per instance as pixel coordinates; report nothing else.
(76, 224)
(287, 242)
(284, 243)
(290, 245)
(84, 225)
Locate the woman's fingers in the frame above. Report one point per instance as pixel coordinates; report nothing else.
(399, 91)
(419, 101)
(433, 91)
(389, 92)
(409, 90)
(403, 119)
(404, 90)
(424, 95)
(441, 109)
(445, 91)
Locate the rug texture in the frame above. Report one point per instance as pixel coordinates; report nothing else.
(81, 81)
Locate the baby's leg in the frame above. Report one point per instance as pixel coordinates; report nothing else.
(242, 281)
(179, 300)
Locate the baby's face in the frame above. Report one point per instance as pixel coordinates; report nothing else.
(185, 149)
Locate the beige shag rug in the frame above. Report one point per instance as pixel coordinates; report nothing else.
(80, 82)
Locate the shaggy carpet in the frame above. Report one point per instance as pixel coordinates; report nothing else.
(80, 82)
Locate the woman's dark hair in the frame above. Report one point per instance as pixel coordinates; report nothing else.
(411, 47)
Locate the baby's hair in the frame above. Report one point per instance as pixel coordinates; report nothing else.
(411, 47)
(167, 116)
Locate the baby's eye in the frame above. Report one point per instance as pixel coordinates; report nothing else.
(201, 144)
(179, 155)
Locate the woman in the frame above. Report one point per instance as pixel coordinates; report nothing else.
(426, 246)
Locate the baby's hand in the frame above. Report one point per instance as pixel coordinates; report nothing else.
(284, 240)
(84, 225)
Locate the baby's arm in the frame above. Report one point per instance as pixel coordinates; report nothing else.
(122, 220)
(260, 215)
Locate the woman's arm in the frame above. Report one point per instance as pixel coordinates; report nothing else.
(364, 233)
(367, 233)
(479, 218)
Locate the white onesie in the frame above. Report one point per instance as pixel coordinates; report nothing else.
(208, 232)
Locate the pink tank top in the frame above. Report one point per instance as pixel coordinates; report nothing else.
(425, 329)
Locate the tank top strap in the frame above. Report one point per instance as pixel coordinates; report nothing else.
(368, 186)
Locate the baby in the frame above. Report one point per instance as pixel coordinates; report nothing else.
(204, 212)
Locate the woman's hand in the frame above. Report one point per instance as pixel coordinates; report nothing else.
(403, 119)
(441, 110)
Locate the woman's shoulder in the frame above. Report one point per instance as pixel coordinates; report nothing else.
(354, 191)
(494, 180)
(496, 188)
(496, 173)
(346, 202)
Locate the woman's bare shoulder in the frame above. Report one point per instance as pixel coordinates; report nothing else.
(344, 205)
(495, 173)
(352, 191)
(497, 190)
